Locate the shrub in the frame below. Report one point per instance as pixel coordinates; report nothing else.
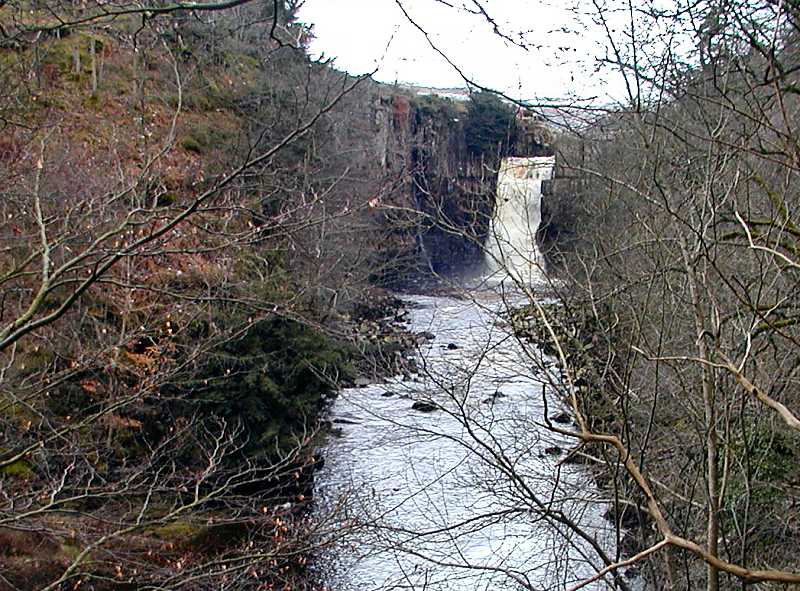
(273, 380)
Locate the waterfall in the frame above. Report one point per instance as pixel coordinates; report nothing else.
(511, 249)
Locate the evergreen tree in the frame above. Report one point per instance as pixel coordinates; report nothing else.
(490, 126)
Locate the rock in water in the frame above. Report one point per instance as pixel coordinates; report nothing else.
(563, 418)
(425, 406)
(345, 422)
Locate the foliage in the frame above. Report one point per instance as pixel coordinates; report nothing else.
(490, 126)
(273, 379)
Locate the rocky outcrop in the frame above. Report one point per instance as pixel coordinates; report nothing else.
(443, 195)
(453, 189)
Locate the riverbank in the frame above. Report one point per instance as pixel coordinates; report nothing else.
(590, 364)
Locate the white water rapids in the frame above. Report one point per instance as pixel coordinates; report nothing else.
(469, 496)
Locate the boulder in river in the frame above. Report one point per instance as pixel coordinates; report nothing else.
(562, 418)
(388, 394)
(628, 516)
(631, 573)
(452, 347)
(318, 461)
(425, 406)
(553, 450)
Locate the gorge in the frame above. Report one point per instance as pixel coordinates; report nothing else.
(451, 479)
(266, 324)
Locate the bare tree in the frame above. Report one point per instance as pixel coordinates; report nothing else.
(128, 265)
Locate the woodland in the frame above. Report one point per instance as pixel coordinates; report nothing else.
(673, 226)
(203, 229)
(198, 227)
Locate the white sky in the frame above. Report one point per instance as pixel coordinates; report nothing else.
(366, 34)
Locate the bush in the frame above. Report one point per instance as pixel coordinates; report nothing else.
(190, 144)
(273, 380)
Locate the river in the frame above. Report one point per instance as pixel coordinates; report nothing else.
(458, 498)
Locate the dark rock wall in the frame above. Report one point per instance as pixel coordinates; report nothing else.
(453, 188)
(444, 196)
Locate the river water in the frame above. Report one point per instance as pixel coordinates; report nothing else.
(456, 498)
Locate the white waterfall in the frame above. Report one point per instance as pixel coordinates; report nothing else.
(511, 249)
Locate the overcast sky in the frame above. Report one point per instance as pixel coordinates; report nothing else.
(367, 34)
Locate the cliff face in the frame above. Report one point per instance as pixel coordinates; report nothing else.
(444, 196)
(453, 189)
(446, 155)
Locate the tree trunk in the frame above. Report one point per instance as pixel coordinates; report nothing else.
(712, 469)
(710, 417)
(76, 59)
(93, 53)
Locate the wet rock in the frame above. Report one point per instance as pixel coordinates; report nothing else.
(631, 573)
(553, 451)
(562, 418)
(628, 516)
(388, 394)
(317, 461)
(345, 422)
(452, 347)
(426, 336)
(499, 394)
(425, 406)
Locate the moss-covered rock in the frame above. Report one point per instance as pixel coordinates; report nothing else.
(20, 469)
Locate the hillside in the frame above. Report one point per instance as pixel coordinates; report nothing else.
(197, 224)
